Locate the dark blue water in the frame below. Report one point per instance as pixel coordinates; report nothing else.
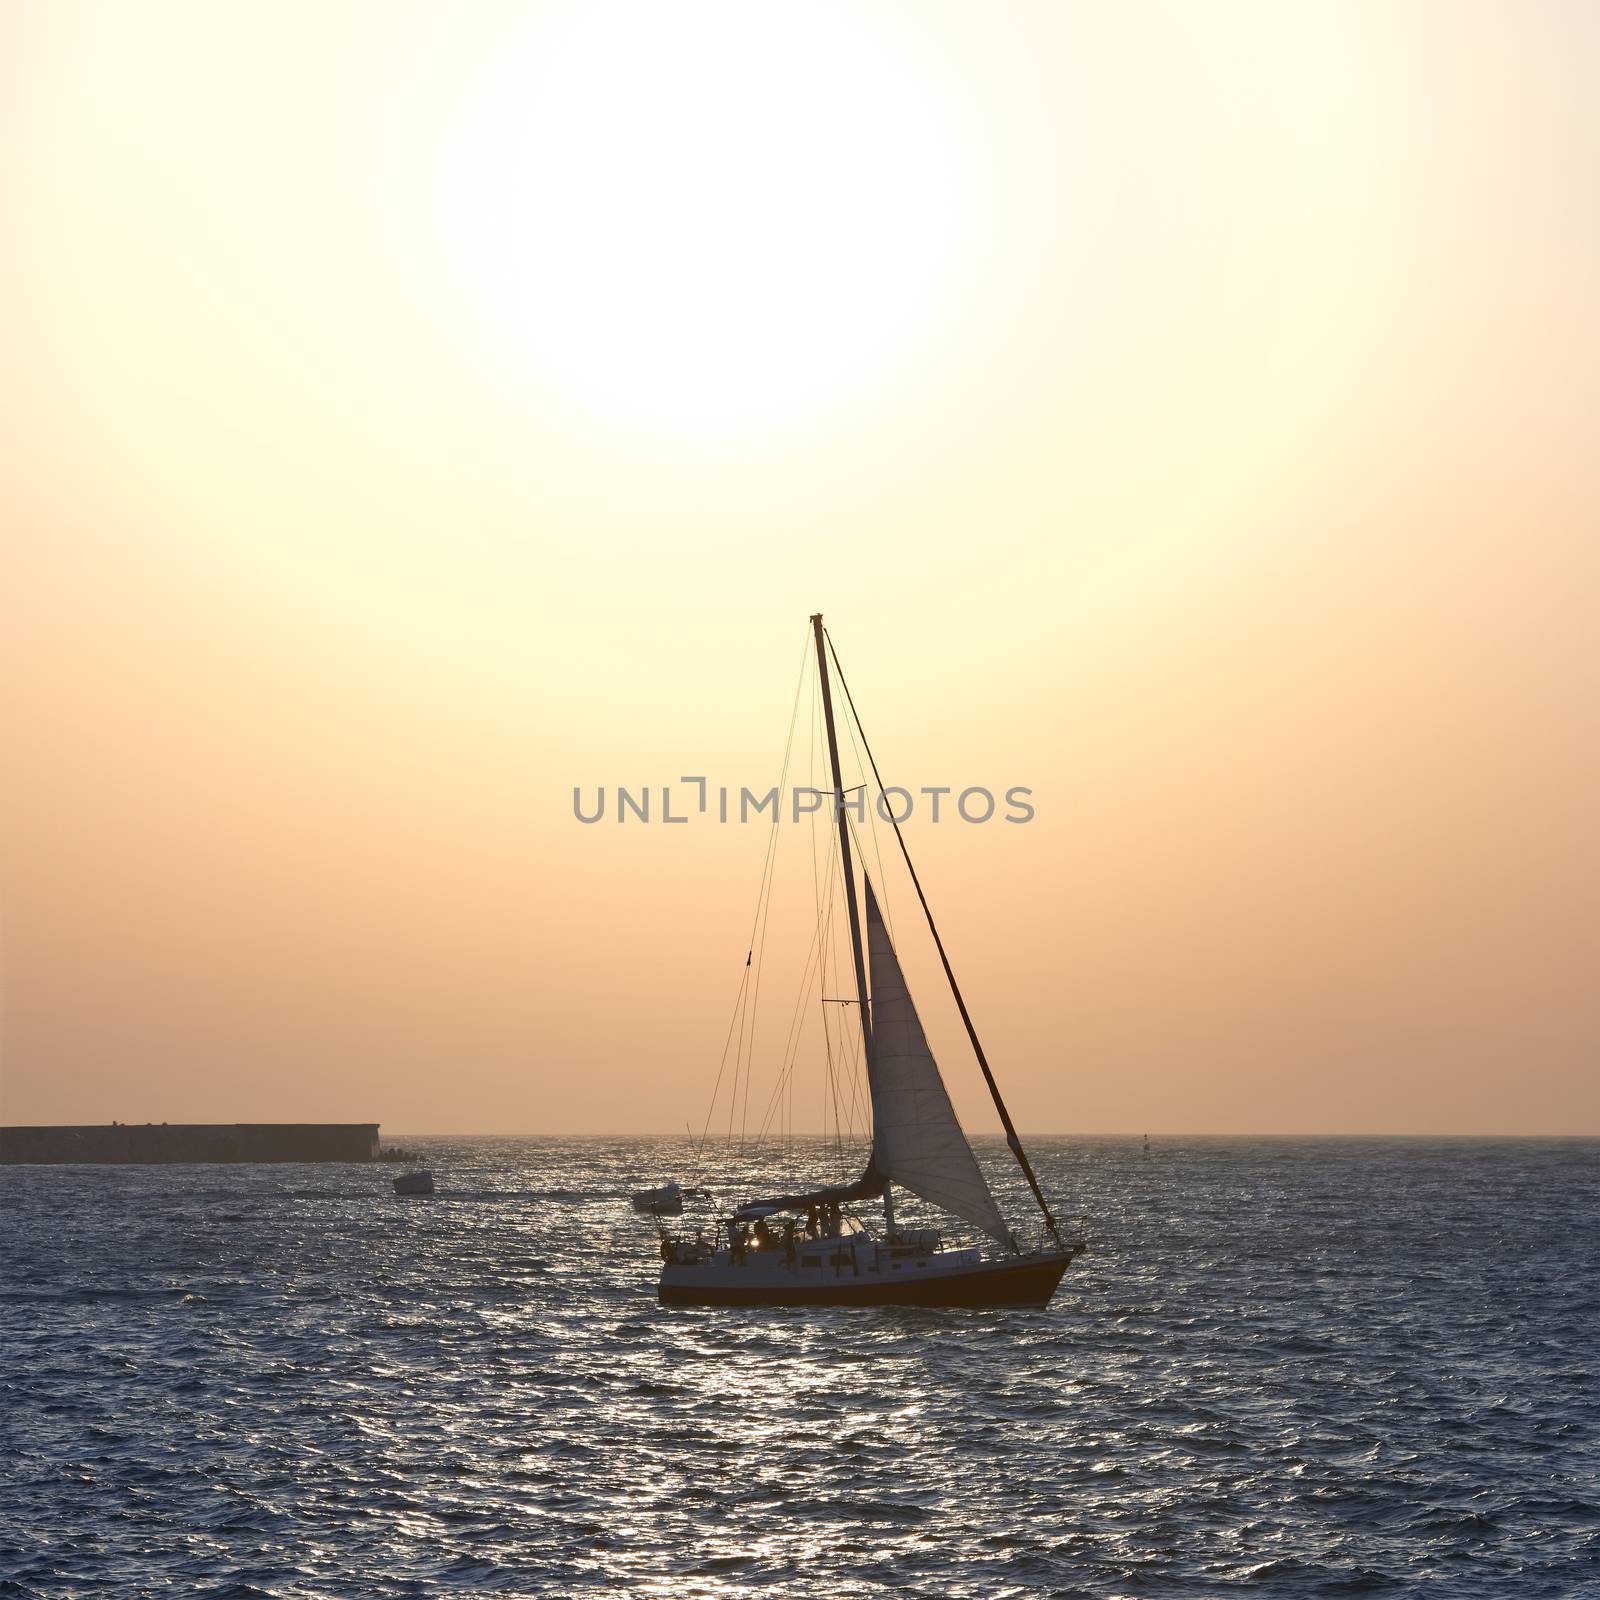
(1285, 1367)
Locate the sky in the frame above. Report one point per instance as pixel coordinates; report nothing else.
(414, 413)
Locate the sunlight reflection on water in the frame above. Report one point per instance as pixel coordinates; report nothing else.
(1284, 1366)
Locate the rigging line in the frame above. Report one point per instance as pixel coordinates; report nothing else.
(791, 1043)
(711, 1110)
(763, 894)
(756, 992)
(859, 1101)
(838, 1115)
(744, 1001)
(1013, 1140)
(758, 930)
(834, 881)
(828, 968)
(851, 1053)
(815, 960)
(858, 1105)
(848, 1062)
(827, 1047)
(830, 1085)
(775, 1102)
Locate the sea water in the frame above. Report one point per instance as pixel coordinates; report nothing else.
(1282, 1367)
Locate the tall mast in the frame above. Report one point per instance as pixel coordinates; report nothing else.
(844, 842)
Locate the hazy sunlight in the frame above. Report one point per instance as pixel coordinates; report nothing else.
(706, 218)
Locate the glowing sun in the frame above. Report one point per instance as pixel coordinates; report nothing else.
(705, 218)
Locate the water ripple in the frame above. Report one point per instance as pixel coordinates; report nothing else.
(1285, 1367)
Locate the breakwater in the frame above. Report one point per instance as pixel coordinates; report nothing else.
(162, 1142)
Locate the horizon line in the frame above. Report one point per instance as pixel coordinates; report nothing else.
(723, 1140)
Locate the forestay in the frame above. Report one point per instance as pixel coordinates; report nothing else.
(916, 1140)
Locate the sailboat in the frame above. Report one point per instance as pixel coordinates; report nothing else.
(822, 1247)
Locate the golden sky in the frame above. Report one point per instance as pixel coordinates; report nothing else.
(412, 412)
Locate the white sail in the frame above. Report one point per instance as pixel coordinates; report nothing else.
(916, 1140)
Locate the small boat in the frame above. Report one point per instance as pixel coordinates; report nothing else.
(667, 1201)
(414, 1183)
(820, 1247)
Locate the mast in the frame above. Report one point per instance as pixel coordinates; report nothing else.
(1013, 1139)
(847, 867)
